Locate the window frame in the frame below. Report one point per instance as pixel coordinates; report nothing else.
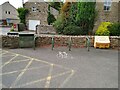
(6, 12)
(107, 5)
(34, 9)
(9, 12)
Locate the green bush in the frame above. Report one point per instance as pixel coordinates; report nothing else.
(22, 14)
(12, 29)
(50, 19)
(72, 30)
(103, 29)
(59, 25)
(114, 29)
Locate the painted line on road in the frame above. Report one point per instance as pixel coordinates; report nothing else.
(43, 79)
(20, 61)
(9, 61)
(67, 79)
(7, 56)
(42, 61)
(23, 70)
(48, 79)
(21, 74)
(4, 53)
(20, 55)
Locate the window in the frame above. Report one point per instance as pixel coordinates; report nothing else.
(8, 12)
(107, 5)
(34, 9)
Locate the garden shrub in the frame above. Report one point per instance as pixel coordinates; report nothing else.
(103, 29)
(114, 29)
(12, 29)
(22, 14)
(72, 30)
(59, 25)
(50, 19)
(85, 16)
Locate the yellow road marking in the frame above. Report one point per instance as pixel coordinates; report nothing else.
(43, 61)
(7, 55)
(67, 79)
(52, 63)
(20, 55)
(23, 70)
(43, 79)
(9, 61)
(21, 74)
(3, 53)
(20, 61)
(48, 79)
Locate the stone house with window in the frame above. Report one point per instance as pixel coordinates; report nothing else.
(38, 13)
(9, 14)
(107, 10)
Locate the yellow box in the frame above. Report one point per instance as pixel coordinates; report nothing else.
(101, 42)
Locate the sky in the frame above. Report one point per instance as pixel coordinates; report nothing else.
(15, 3)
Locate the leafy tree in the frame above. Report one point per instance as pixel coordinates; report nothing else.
(56, 5)
(59, 24)
(79, 14)
(72, 13)
(22, 13)
(50, 18)
(86, 15)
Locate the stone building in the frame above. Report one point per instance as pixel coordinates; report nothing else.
(38, 13)
(107, 11)
(9, 14)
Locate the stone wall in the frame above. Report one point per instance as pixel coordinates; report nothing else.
(45, 29)
(43, 40)
(10, 41)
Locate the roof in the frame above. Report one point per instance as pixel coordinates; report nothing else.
(8, 7)
(7, 3)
